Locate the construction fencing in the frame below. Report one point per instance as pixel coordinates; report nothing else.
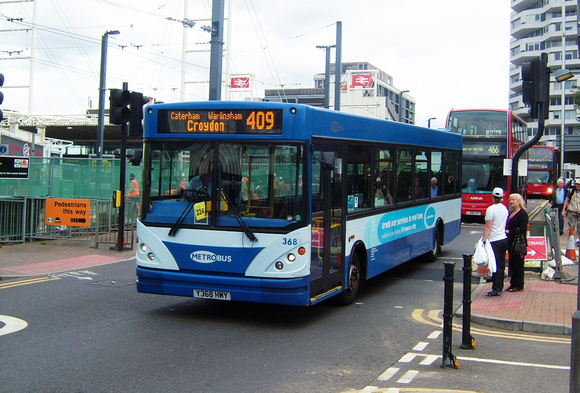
(23, 219)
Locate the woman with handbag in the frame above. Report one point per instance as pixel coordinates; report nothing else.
(517, 227)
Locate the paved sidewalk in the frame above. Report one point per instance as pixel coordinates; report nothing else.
(53, 256)
(544, 306)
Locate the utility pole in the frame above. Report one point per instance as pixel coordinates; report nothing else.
(326, 74)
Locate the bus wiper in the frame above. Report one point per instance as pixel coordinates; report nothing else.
(236, 214)
(195, 196)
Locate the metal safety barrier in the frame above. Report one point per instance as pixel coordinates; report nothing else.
(23, 219)
(12, 219)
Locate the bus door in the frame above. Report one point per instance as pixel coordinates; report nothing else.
(327, 262)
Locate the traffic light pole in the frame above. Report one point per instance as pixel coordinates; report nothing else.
(535, 92)
(521, 150)
(122, 176)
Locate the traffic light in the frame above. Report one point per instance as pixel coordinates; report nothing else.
(135, 124)
(119, 113)
(1, 96)
(536, 86)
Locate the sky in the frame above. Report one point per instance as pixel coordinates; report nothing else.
(447, 53)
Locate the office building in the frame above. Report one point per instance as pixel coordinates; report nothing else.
(365, 90)
(551, 27)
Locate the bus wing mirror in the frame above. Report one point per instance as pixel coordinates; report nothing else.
(136, 158)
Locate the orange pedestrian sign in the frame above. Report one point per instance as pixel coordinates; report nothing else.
(71, 212)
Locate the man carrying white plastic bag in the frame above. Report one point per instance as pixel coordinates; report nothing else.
(494, 235)
(484, 258)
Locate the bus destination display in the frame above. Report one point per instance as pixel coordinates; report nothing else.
(226, 121)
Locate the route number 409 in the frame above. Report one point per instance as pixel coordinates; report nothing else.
(289, 241)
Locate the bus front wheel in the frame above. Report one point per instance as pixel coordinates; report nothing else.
(347, 296)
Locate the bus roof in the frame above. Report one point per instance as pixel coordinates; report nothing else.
(299, 122)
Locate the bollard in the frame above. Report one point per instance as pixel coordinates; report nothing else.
(467, 340)
(449, 360)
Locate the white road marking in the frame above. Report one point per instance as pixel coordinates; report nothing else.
(521, 364)
(407, 358)
(429, 359)
(369, 389)
(420, 346)
(11, 324)
(408, 376)
(388, 374)
(434, 335)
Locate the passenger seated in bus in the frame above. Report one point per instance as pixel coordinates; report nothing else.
(416, 190)
(382, 194)
(434, 188)
(450, 185)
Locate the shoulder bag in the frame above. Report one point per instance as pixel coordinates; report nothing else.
(519, 246)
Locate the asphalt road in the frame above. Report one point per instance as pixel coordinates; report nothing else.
(90, 331)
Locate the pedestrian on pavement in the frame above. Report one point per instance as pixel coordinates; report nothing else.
(558, 203)
(495, 223)
(133, 187)
(571, 208)
(517, 225)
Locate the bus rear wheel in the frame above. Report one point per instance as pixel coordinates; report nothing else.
(347, 296)
(432, 255)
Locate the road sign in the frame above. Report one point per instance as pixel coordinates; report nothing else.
(71, 212)
(537, 248)
(14, 167)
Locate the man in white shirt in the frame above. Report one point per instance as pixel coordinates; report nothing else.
(495, 222)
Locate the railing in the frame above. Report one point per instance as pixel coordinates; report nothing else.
(24, 218)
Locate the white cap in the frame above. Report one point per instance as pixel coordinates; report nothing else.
(497, 192)
(577, 181)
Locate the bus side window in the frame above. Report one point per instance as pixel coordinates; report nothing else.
(436, 162)
(405, 181)
(451, 171)
(359, 177)
(383, 186)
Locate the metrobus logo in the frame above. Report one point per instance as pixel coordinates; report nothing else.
(209, 257)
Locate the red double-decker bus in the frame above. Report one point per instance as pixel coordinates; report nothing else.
(542, 173)
(489, 137)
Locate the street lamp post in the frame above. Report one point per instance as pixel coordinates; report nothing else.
(562, 75)
(401, 104)
(102, 89)
(563, 97)
(326, 74)
(429, 121)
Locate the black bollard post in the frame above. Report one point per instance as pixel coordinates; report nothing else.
(467, 341)
(449, 360)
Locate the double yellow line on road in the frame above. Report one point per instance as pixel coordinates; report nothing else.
(27, 282)
(434, 318)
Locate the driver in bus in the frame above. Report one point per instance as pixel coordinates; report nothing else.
(200, 183)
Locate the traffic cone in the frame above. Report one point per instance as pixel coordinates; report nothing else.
(571, 247)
